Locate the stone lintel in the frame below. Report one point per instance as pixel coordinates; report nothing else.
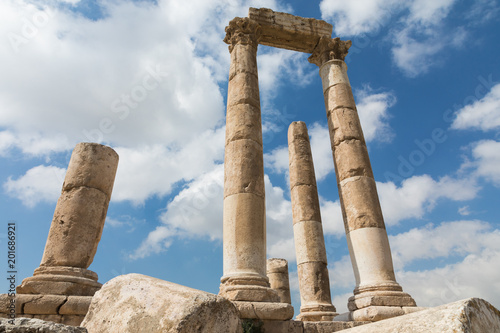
(288, 31)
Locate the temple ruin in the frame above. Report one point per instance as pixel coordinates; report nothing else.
(254, 291)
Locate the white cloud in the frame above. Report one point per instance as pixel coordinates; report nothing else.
(475, 243)
(197, 210)
(477, 275)
(321, 151)
(331, 217)
(358, 16)
(458, 238)
(373, 113)
(39, 184)
(415, 56)
(417, 33)
(486, 159)
(153, 170)
(483, 114)
(418, 195)
(429, 11)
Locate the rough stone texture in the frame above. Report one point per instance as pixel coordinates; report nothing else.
(76, 228)
(32, 325)
(277, 272)
(243, 213)
(288, 31)
(353, 160)
(69, 310)
(363, 220)
(243, 122)
(81, 210)
(339, 96)
(243, 168)
(361, 203)
(92, 165)
(345, 125)
(305, 203)
(136, 303)
(77, 225)
(312, 270)
(329, 49)
(471, 315)
(264, 310)
(309, 242)
(328, 327)
(244, 217)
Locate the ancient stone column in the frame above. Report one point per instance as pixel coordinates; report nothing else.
(376, 288)
(277, 272)
(244, 213)
(314, 283)
(77, 225)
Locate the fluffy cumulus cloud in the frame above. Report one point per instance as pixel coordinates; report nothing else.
(419, 194)
(484, 114)
(159, 104)
(39, 184)
(373, 113)
(485, 161)
(474, 245)
(359, 16)
(421, 32)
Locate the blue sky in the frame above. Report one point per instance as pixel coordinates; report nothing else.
(426, 78)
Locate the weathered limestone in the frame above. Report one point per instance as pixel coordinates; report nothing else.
(288, 31)
(74, 233)
(137, 303)
(32, 325)
(314, 283)
(364, 224)
(244, 197)
(77, 225)
(68, 310)
(277, 272)
(465, 316)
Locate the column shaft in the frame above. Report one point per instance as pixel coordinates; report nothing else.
(364, 224)
(77, 225)
(244, 219)
(277, 272)
(312, 268)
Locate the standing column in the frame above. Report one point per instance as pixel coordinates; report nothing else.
(314, 283)
(377, 294)
(77, 225)
(244, 213)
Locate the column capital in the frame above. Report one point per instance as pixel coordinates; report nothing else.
(329, 49)
(242, 31)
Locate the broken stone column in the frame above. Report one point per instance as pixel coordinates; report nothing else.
(76, 229)
(277, 272)
(376, 286)
(314, 283)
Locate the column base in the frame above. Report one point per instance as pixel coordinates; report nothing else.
(60, 280)
(376, 313)
(264, 310)
(370, 304)
(248, 288)
(319, 312)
